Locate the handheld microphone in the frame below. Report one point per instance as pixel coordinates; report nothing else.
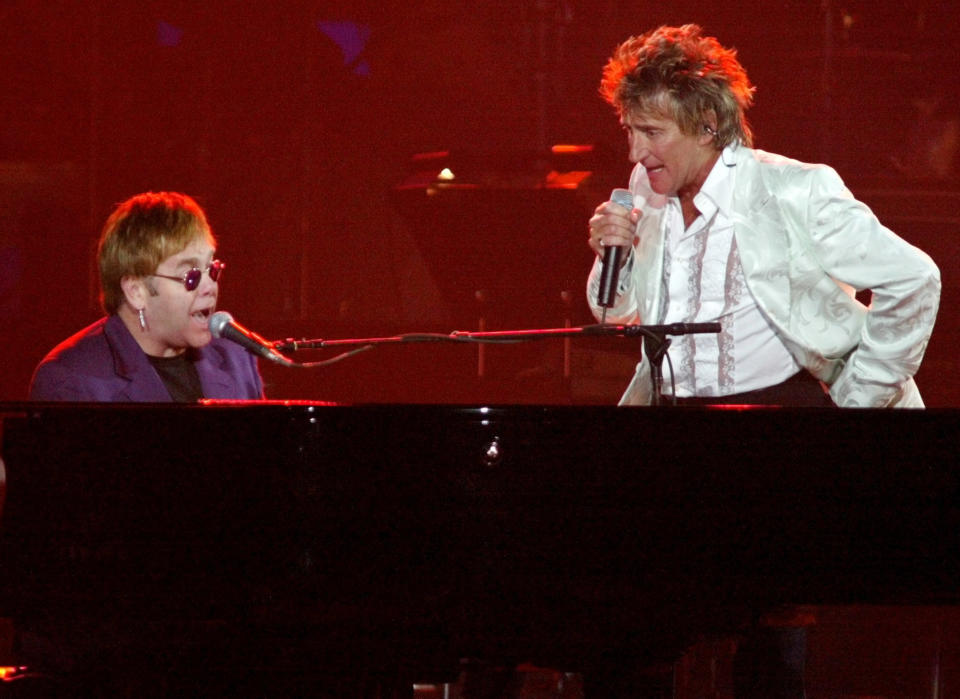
(612, 256)
(223, 325)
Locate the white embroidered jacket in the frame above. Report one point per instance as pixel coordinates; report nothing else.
(803, 241)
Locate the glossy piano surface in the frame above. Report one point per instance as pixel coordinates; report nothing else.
(430, 533)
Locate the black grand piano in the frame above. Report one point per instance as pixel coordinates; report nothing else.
(326, 543)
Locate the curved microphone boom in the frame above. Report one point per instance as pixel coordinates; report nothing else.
(613, 256)
(223, 325)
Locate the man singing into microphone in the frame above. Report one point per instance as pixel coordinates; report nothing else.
(770, 248)
(158, 286)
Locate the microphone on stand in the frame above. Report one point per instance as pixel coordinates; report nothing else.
(223, 325)
(612, 257)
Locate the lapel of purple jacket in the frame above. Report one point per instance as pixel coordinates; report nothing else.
(143, 384)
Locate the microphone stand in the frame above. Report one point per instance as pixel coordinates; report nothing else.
(655, 346)
(653, 332)
(655, 340)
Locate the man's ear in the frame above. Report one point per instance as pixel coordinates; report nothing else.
(135, 291)
(709, 127)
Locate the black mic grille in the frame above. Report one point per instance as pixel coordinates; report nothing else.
(218, 321)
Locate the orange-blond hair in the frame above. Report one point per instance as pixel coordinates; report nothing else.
(142, 232)
(678, 72)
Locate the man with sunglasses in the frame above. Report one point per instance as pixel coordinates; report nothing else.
(158, 287)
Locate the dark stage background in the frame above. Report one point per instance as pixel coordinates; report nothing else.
(295, 124)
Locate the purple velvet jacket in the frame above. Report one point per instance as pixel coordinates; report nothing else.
(104, 363)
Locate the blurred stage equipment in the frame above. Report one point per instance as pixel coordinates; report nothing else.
(501, 228)
(501, 233)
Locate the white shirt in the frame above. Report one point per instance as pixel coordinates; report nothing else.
(703, 282)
